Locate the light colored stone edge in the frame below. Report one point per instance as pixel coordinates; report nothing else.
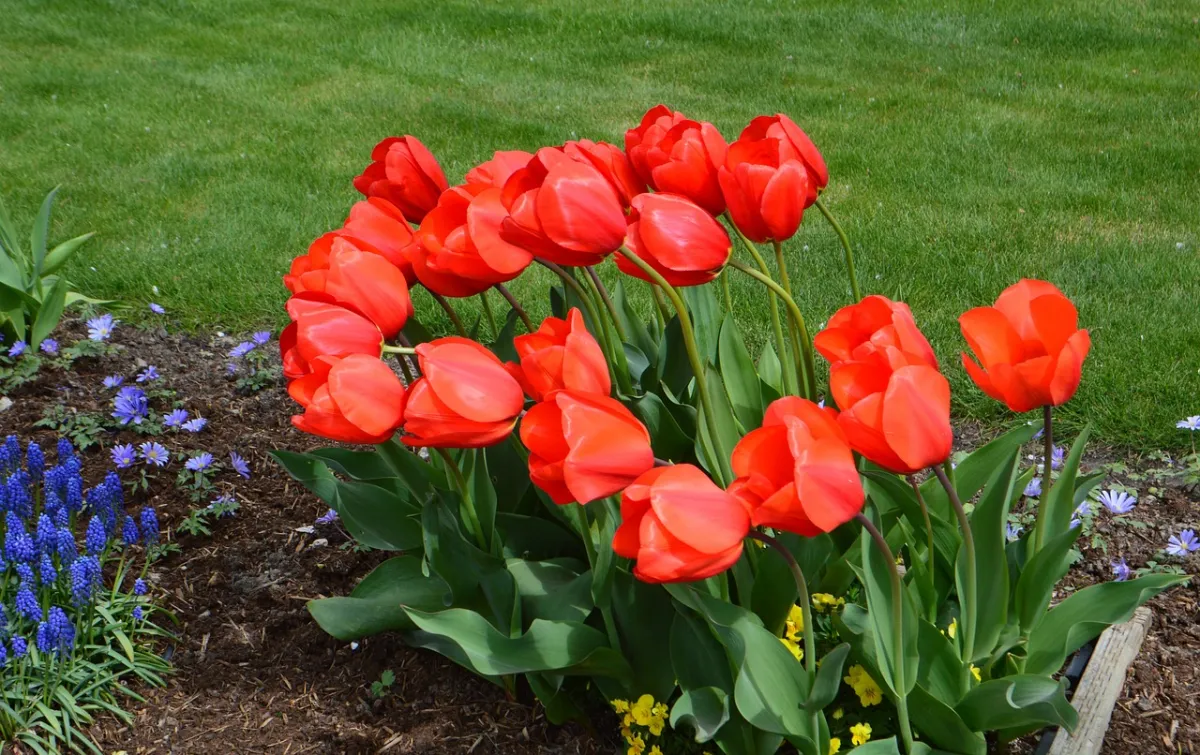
(1101, 685)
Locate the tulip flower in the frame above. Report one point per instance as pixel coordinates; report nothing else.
(679, 156)
(377, 225)
(678, 238)
(875, 324)
(610, 160)
(564, 208)
(404, 172)
(1029, 345)
(458, 250)
(796, 472)
(319, 328)
(362, 281)
(353, 399)
(464, 399)
(584, 446)
(679, 526)
(561, 354)
(493, 173)
(772, 173)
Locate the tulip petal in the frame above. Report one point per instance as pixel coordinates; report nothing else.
(763, 451)
(1068, 367)
(1056, 320)
(368, 393)
(370, 285)
(697, 512)
(861, 423)
(579, 210)
(783, 200)
(827, 484)
(609, 447)
(1015, 300)
(583, 364)
(916, 416)
(991, 336)
(470, 380)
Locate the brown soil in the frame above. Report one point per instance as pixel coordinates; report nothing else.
(254, 673)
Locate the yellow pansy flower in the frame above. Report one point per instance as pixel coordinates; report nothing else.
(620, 706)
(824, 600)
(637, 745)
(838, 713)
(952, 629)
(643, 710)
(794, 624)
(835, 745)
(793, 648)
(860, 734)
(655, 751)
(975, 673)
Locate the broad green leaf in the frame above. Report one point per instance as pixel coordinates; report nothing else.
(974, 471)
(378, 518)
(637, 362)
(1039, 576)
(604, 570)
(551, 591)
(364, 466)
(704, 709)
(559, 706)
(737, 372)
(503, 345)
(375, 604)
(887, 746)
(988, 523)
(941, 725)
(49, 313)
(771, 684)
(774, 591)
(633, 323)
(726, 426)
(697, 656)
(876, 577)
(408, 467)
(563, 647)
(674, 368)
(37, 236)
(666, 436)
(462, 565)
(1058, 504)
(510, 476)
(769, 369)
(416, 332)
(310, 472)
(1085, 614)
(1017, 701)
(940, 670)
(829, 678)
(483, 495)
(889, 491)
(643, 613)
(533, 537)
(707, 316)
(61, 254)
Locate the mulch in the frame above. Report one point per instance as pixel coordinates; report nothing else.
(254, 673)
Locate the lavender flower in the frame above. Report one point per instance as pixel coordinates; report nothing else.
(1084, 509)
(329, 517)
(129, 531)
(17, 349)
(225, 503)
(49, 346)
(1056, 457)
(199, 462)
(113, 381)
(148, 375)
(1191, 423)
(241, 350)
(1118, 501)
(1034, 488)
(157, 309)
(1183, 543)
(194, 425)
(140, 587)
(97, 536)
(27, 604)
(1011, 531)
(175, 418)
(130, 406)
(123, 456)
(1121, 570)
(231, 369)
(239, 464)
(100, 328)
(149, 526)
(1075, 522)
(155, 453)
(259, 337)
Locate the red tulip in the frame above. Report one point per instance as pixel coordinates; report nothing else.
(406, 174)
(584, 446)
(564, 208)
(376, 224)
(464, 399)
(612, 162)
(493, 173)
(875, 325)
(322, 329)
(796, 472)
(679, 156)
(1029, 344)
(561, 354)
(458, 250)
(679, 526)
(362, 281)
(771, 174)
(353, 399)
(679, 239)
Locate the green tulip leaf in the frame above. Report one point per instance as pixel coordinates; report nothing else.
(973, 472)
(1058, 503)
(1039, 576)
(705, 710)
(829, 678)
(880, 602)
(988, 524)
(376, 604)
(1017, 701)
(742, 385)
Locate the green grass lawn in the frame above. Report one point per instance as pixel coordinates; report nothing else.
(209, 142)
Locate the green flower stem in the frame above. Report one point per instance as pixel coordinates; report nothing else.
(801, 341)
(449, 310)
(719, 465)
(897, 628)
(488, 314)
(849, 254)
(810, 640)
(585, 301)
(413, 369)
(404, 367)
(791, 380)
(725, 290)
(468, 502)
(784, 280)
(579, 514)
(386, 349)
(516, 305)
(969, 599)
(660, 306)
(608, 302)
(930, 565)
(616, 338)
(1048, 448)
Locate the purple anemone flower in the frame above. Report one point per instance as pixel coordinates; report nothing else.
(123, 456)
(239, 464)
(100, 328)
(1183, 543)
(1118, 501)
(157, 309)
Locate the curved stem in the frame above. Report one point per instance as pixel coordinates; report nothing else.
(1048, 440)
(487, 313)
(719, 465)
(449, 309)
(409, 359)
(516, 305)
(465, 492)
(408, 375)
(791, 380)
(931, 610)
(802, 343)
(407, 350)
(849, 254)
(971, 609)
(810, 645)
(608, 302)
(725, 290)
(660, 306)
(785, 282)
(897, 628)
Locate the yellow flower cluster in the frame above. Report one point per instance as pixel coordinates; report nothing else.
(868, 691)
(860, 734)
(823, 601)
(835, 745)
(793, 627)
(644, 712)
